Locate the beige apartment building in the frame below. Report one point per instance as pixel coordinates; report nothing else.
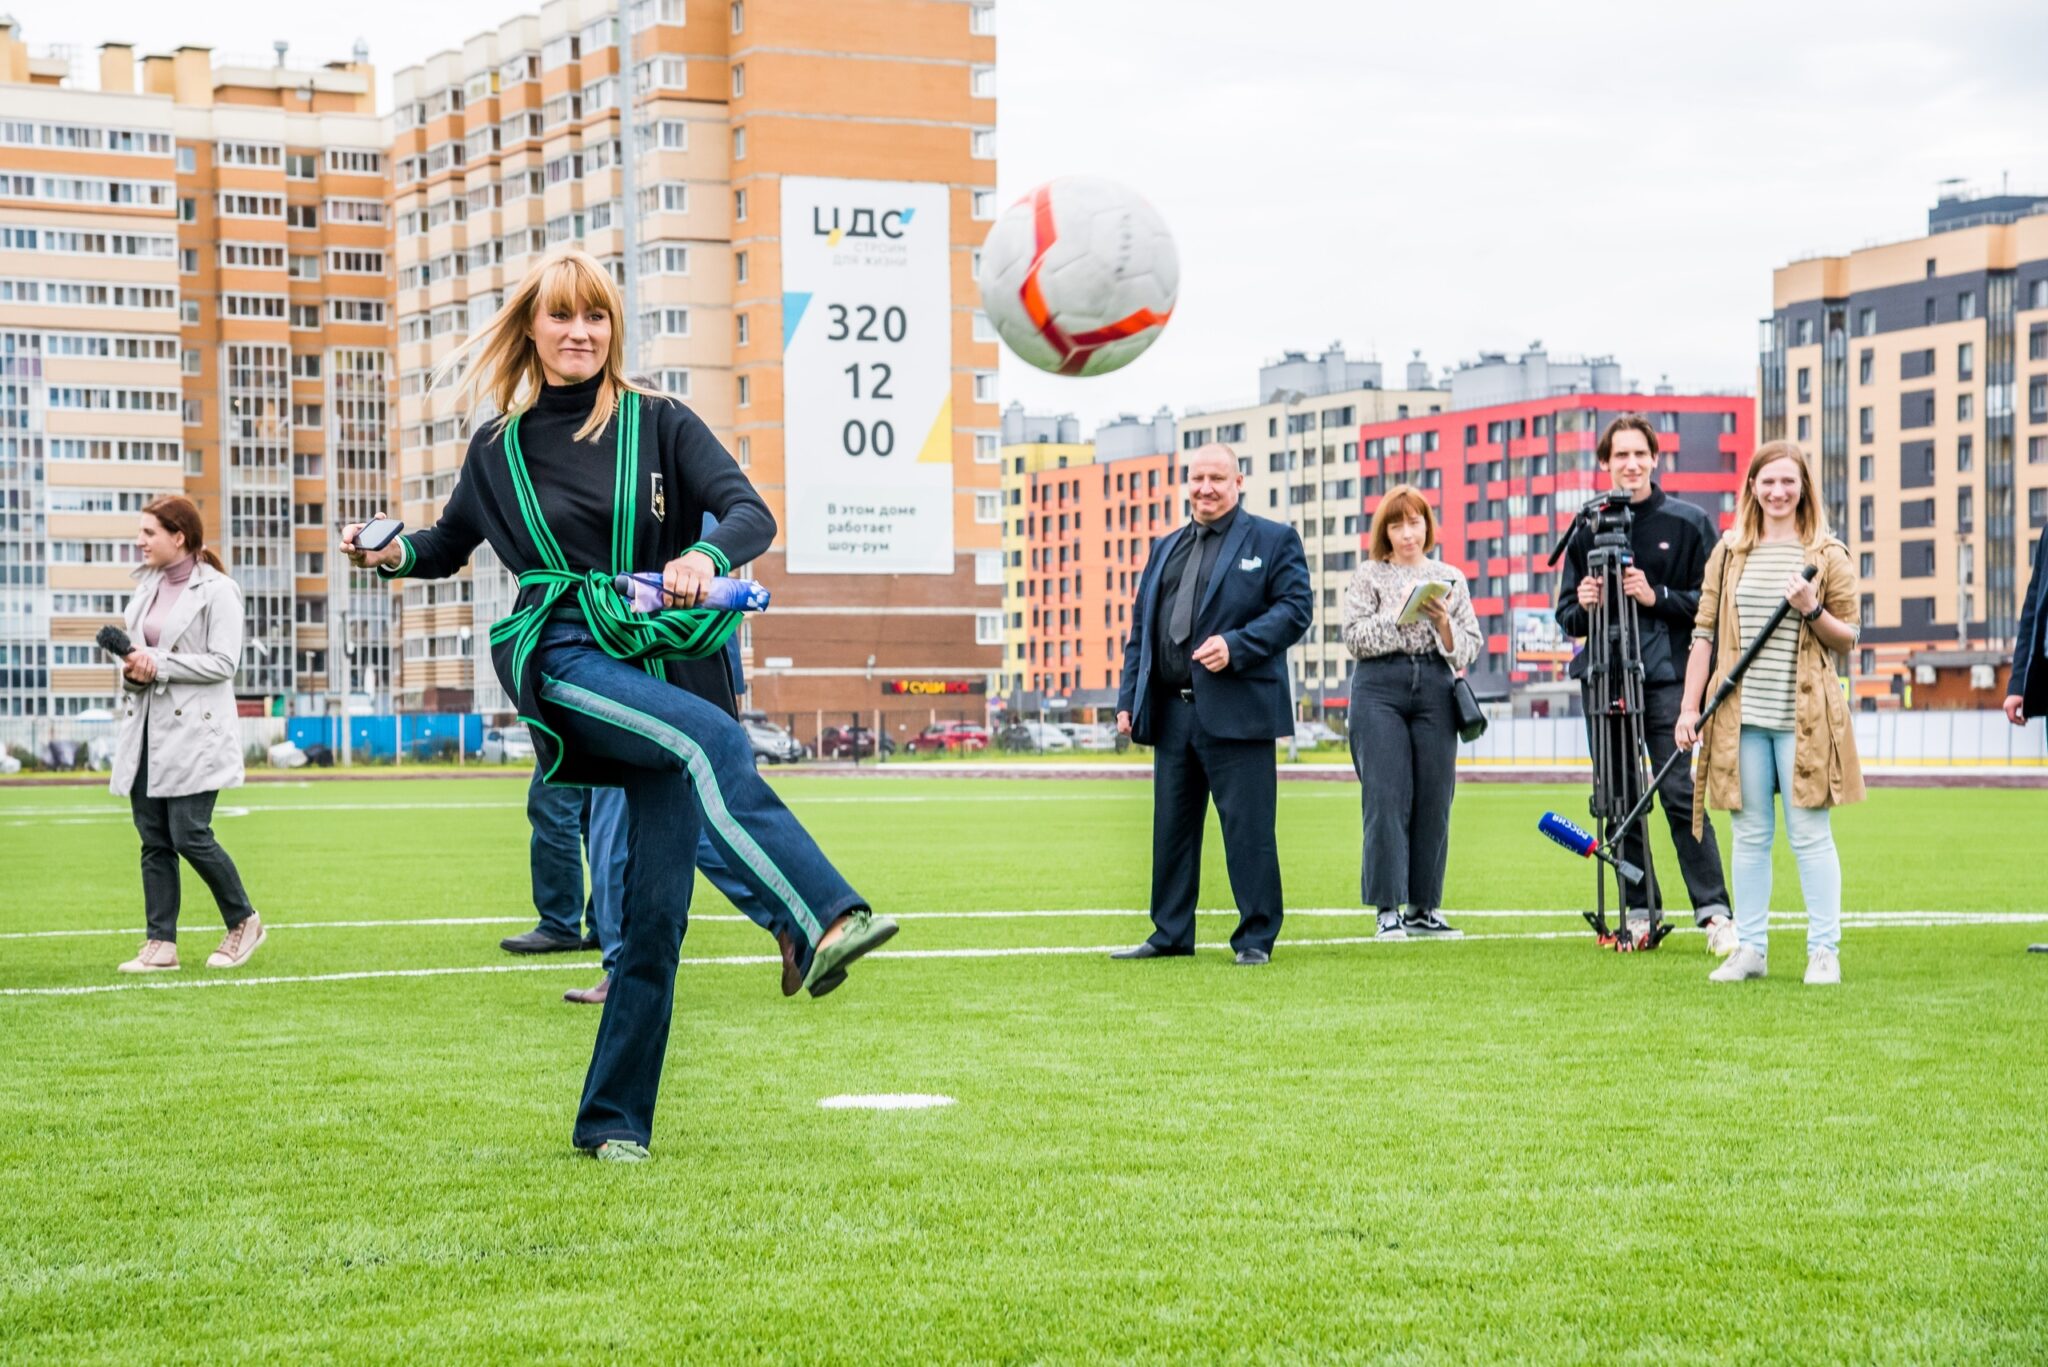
(1032, 443)
(1916, 376)
(750, 118)
(1298, 449)
(193, 259)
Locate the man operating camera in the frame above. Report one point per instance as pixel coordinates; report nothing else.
(1669, 540)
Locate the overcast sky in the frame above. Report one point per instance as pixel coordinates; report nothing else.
(1606, 177)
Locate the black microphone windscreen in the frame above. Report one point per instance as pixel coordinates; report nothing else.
(114, 641)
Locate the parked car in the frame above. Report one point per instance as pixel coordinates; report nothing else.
(948, 737)
(1100, 735)
(851, 742)
(1310, 734)
(772, 744)
(508, 745)
(1035, 737)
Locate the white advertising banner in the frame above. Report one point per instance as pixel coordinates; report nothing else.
(867, 374)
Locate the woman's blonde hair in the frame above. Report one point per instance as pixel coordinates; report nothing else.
(1402, 502)
(504, 362)
(1810, 517)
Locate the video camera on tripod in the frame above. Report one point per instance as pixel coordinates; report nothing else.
(1615, 711)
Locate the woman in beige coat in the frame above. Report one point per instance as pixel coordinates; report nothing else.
(1785, 731)
(177, 746)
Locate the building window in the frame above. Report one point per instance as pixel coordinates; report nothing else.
(188, 361)
(1966, 305)
(739, 79)
(738, 14)
(1805, 432)
(739, 267)
(984, 204)
(1966, 407)
(984, 386)
(988, 506)
(746, 390)
(1866, 322)
(1966, 360)
(1865, 364)
(188, 161)
(1805, 385)
(739, 206)
(982, 82)
(982, 144)
(188, 261)
(1966, 452)
(987, 451)
(745, 454)
(739, 144)
(191, 412)
(981, 20)
(741, 330)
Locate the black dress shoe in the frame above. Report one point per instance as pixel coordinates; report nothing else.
(540, 941)
(1148, 950)
(1251, 958)
(590, 941)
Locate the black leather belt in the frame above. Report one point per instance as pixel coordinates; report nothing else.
(1187, 695)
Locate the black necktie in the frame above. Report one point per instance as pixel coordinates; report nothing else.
(1180, 624)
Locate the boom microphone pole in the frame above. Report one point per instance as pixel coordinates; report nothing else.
(1727, 687)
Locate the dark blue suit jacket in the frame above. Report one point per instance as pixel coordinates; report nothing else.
(2029, 679)
(1260, 601)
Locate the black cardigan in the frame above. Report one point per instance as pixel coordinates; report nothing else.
(696, 477)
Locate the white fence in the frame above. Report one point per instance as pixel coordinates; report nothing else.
(1933, 738)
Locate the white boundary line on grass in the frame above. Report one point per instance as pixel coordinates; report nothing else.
(991, 952)
(1054, 914)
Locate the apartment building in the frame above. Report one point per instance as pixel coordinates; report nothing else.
(193, 257)
(1031, 444)
(1506, 481)
(1298, 448)
(1088, 534)
(809, 183)
(1916, 375)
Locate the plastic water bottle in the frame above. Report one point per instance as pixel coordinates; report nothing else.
(643, 592)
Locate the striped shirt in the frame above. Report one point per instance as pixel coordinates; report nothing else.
(1769, 688)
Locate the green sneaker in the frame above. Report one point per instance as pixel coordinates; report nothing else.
(620, 1151)
(864, 931)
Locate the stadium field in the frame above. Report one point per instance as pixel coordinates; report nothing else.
(1512, 1147)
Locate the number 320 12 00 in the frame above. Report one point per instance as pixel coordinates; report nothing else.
(866, 323)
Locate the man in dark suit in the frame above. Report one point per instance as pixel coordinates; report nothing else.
(1205, 684)
(2027, 691)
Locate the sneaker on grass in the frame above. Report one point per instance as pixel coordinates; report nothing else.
(1391, 927)
(238, 944)
(1743, 964)
(620, 1151)
(1429, 925)
(155, 956)
(1823, 969)
(1721, 939)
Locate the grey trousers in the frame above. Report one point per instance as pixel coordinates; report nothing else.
(1404, 748)
(175, 826)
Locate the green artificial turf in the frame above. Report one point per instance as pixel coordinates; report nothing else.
(1521, 1149)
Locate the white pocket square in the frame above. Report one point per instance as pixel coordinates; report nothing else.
(1254, 563)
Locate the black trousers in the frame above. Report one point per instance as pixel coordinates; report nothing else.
(175, 826)
(1404, 749)
(1699, 861)
(1189, 766)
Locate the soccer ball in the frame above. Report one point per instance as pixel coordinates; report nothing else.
(1079, 276)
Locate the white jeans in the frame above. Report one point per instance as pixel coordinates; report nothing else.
(1766, 761)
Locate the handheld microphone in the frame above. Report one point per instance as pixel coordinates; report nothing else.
(1581, 842)
(114, 641)
(644, 593)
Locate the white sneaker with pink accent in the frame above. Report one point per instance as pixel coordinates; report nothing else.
(155, 956)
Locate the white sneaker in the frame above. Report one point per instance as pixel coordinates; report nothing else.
(155, 956)
(238, 944)
(1823, 969)
(1743, 963)
(1721, 937)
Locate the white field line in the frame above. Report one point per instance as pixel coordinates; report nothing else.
(1918, 918)
(1864, 918)
(154, 983)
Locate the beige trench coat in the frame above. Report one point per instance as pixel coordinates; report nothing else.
(188, 711)
(1825, 771)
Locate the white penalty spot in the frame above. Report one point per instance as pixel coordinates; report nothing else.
(886, 1101)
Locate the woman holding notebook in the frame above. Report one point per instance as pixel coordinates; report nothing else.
(1409, 623)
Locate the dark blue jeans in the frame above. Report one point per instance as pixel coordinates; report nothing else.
(687, 770)
(605, 834)
(555, 856)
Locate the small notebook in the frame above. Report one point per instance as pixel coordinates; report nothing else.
(1423, 594)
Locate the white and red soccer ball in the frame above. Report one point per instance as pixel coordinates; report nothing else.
(1079, 276)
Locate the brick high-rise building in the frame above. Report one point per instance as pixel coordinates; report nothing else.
(193, 258)
(1916, 376)
(811, 181)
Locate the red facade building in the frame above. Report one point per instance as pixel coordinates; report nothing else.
(1506, 481)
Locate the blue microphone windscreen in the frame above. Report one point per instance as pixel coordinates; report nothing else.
(1567, 834)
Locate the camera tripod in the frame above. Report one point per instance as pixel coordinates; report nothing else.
(1615, 718)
